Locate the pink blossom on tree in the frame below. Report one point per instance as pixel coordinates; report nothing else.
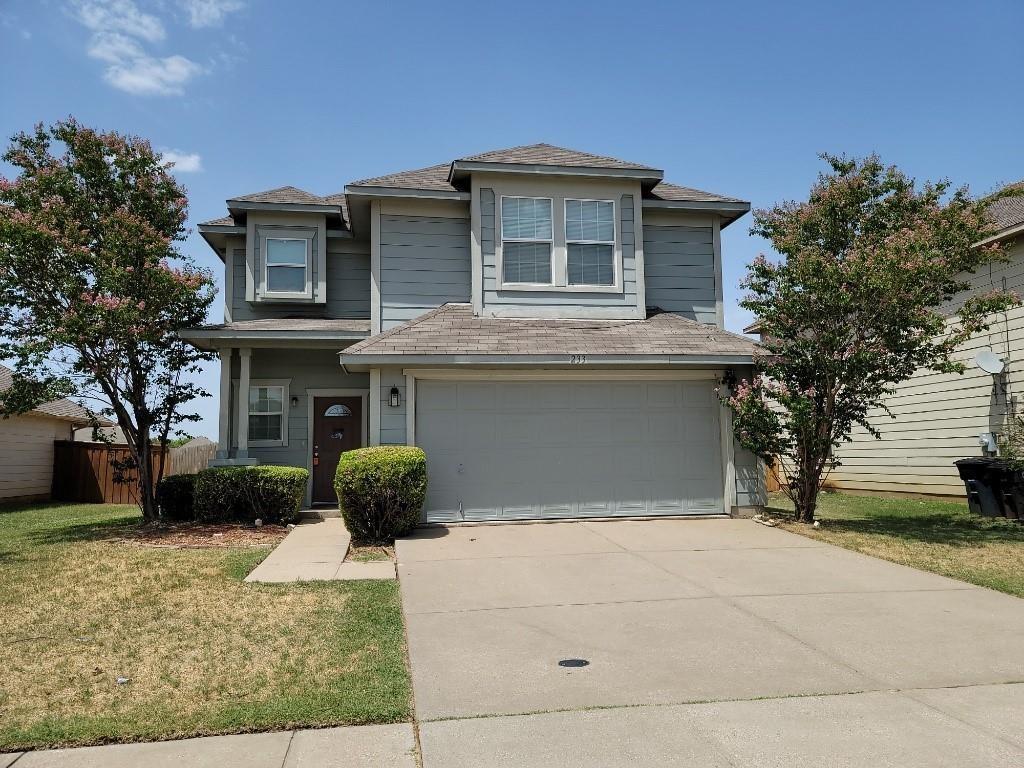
(854, 307)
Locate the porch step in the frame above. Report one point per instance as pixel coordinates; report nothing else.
(319, 513)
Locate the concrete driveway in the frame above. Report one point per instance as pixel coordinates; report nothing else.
(709, 642)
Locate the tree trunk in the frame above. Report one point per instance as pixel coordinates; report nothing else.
(808, 486)
(147, 485)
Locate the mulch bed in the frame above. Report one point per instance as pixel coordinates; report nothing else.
(204, 535)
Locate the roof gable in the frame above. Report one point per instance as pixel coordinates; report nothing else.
(63, 409)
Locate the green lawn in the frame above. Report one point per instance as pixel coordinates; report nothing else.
(205, 653)
(942, 537)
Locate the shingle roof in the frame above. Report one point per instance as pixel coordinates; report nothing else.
(287, 195)
(434, 177)
(63, 409)
(547, 154)
(1007, 212)
(666, 191)
(453, 330)
(223, 221)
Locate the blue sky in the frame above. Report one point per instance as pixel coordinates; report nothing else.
(736, 98)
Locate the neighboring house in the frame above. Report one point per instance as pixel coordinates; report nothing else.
(113, 435)
(26, 445)
(939, 417)
(546, 324)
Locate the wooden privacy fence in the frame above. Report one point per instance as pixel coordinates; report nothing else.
(191, 457)
(88, 472)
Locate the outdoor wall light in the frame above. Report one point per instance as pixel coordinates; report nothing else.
(295, 402)
(396, 398)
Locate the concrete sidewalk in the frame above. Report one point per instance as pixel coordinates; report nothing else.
(365, 746)
(315, 551)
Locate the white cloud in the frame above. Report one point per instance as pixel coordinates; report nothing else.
(114, 48)
(184, 162)
(119, 30)
(209, 13)
(119, 16)
(148, 76)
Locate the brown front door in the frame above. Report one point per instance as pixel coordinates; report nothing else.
(337, 427)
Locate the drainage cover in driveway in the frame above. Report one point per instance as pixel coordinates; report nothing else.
(573, 663)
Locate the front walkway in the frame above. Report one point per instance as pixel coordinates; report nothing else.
(701, 643)
(315, 551)
(365, 746)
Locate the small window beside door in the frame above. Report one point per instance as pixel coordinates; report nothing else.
(267, 423)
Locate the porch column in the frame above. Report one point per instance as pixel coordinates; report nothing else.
(224, 425)
(375, 396)
(245, 354)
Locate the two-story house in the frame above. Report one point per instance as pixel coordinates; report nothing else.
(546, 324)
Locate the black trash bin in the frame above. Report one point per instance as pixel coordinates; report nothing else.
(1011, 489)
(982, 481)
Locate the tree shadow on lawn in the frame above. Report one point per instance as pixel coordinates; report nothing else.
(101, 530)
(956, 529)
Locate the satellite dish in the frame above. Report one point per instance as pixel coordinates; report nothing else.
(989, 362)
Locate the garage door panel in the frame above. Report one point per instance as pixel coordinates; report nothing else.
(665, 426)
(664, 395)
(514, 449)
(592, 394)
(476, 396)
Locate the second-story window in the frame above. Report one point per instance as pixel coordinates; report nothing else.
(590, 242)
(526, 240)
(286, 264)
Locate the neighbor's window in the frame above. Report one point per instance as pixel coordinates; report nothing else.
(266, 413)
(590, 242)
(526, 240)
(286, 264)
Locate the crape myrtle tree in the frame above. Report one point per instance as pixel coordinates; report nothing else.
(854, 307)
(93, 289)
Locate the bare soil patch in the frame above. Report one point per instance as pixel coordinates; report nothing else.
(203, 535)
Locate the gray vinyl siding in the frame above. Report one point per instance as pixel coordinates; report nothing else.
(566, 303)
(750, 478)
(348, 286)
(938, 417)
(424, 263)
(307, 369)
(392, 420)
(679, 267)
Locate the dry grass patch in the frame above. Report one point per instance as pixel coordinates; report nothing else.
(941, 537)
(370, 553)
(203, 652)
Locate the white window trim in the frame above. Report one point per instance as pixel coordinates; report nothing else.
(286, 404)
(502, 240)
(616, 252)
(307, 292)
(559, 251)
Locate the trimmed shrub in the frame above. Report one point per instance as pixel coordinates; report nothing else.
(174, 495)
(381, 491)
(243, 494)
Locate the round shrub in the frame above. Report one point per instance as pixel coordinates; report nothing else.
(243, 494)
(174, 496)
(381, 491)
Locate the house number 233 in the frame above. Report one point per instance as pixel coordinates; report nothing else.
(577, 359)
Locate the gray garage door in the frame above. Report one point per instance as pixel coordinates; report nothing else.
(551, 449)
